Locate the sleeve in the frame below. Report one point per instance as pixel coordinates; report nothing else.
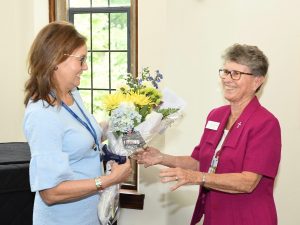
(195, 153)
(264, 149)
(49, 165)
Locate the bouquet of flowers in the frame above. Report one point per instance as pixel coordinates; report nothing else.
(138, 111)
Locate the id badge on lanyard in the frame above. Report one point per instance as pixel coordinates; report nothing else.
(215, 159)
(214, 163)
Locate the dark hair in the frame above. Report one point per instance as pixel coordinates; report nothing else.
(250, 56)
(46, 52)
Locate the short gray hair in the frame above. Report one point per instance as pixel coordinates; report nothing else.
(248, 55)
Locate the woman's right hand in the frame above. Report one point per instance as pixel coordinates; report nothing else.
(120, 172)
(149, 157)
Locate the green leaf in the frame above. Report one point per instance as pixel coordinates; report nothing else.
(144, 111)
(167, 112)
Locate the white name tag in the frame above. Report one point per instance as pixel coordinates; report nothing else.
(212, 125)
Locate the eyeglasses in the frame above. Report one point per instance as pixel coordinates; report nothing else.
(82, 59)
(234, 74)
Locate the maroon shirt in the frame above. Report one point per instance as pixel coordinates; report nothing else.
(253, 144)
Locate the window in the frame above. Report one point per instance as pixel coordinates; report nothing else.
(110, 27)
(108, 33)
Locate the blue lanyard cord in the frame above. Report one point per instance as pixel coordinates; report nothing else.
(88, 126)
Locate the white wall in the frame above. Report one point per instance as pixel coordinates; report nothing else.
(19, 20)
(184, 39)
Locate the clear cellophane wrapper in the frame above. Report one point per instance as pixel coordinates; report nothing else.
(154, 124)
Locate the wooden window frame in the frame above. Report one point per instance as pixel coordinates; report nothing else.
(129, 197)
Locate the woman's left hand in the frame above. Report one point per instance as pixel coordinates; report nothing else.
(181, 176)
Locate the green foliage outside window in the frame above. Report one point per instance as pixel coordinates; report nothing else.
(107, 43)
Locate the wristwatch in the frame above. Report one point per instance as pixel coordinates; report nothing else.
(98, 184)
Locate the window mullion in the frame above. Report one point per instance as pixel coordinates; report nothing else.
(109, 51)
(92, 62)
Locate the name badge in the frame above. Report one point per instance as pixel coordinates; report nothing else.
(212, 125)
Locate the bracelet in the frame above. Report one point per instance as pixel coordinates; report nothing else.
(98, 183)
(203, 179)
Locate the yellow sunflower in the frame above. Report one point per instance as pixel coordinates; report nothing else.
(112, 101)
(139, 99)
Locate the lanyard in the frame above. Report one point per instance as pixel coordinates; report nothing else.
(88, 126)
(214, 162)
(215, 159)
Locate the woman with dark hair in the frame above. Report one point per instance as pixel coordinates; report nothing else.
(64, 138)
(236, 161)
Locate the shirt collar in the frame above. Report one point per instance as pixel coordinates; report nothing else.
(237, 127)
